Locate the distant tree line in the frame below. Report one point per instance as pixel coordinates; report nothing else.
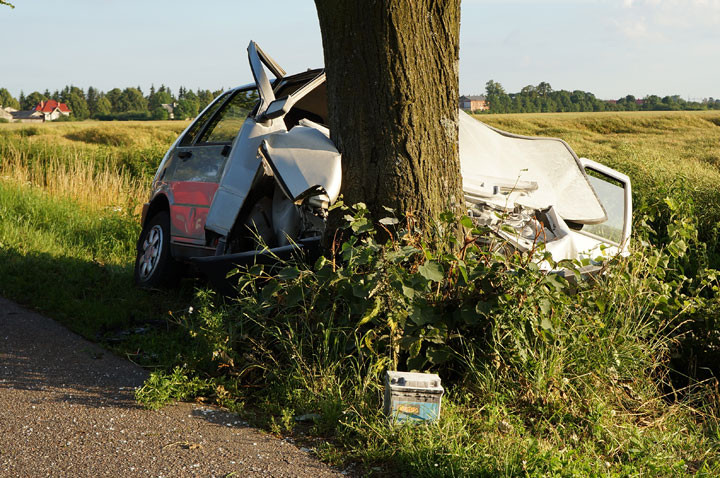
(133, 104)
(117, 104)
(543, 99)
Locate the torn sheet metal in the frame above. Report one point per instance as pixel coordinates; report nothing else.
(536, 172)
(304, 161)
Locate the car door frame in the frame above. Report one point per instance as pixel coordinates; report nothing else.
(190, 200)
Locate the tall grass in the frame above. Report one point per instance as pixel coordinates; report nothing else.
(108, 165)
(75, 178)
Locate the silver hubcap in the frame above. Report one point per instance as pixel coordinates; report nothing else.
(151, 250)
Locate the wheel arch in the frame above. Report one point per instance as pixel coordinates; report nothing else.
(158, 204)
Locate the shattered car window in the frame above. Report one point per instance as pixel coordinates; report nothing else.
(225, 126)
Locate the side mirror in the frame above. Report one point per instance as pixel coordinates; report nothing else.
(278, 108)
(281, 106)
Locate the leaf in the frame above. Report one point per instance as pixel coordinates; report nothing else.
(256, 270)
(270, 289)
(546, 324)
(462, 267)
(414, 349)
(671, 203)
(600, 303)
(555, 281)
(338, 204)
(371, 314)
(362, 225)
(448, 217)
(467, 222)
(294, 296)
(469, 316)
(422, 315)
(320, 263)
(389, 221)
(408, 292)
(483, 308)
(288, 273)
(432, 271)
(233, 272)
(405, 252)
(439, 355)
(545, 306)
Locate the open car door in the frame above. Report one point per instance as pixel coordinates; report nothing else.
(243, 161)
(264, 148)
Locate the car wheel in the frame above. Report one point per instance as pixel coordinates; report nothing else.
(154, 265)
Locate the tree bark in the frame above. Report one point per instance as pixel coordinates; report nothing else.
(392, 79)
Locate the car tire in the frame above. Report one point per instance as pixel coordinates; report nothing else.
(154, 264)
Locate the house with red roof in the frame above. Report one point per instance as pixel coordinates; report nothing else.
(52, 109)
(49, 110)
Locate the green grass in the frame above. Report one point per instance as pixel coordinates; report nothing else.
(588, 400)
(69, 220)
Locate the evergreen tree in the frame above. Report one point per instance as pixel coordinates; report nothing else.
(205, 97)
(92, 98)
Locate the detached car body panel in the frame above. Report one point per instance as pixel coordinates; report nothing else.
(258, 167)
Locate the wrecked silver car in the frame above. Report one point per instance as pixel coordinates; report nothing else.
(258, 165)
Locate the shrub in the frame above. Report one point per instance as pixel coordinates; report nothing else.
(126, 116)
(550, 358)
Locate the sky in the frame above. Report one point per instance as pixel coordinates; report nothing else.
(611, 48)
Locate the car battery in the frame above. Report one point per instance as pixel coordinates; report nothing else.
(411, 396)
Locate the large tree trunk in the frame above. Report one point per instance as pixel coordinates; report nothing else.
(392, 78)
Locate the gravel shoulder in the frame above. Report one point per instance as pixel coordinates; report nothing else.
(67, 410)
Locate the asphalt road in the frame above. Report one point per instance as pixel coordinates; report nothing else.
(67, 410)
